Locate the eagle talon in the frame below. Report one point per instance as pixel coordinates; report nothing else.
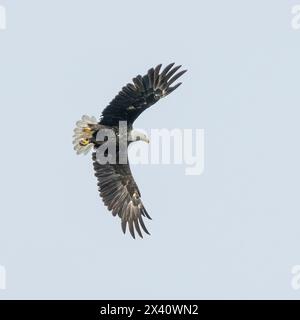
(84, 142)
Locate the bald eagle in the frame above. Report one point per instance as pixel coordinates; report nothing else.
(116, 184)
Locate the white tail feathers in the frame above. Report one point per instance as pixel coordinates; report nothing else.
(83, 133)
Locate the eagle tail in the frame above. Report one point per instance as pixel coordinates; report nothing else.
(83, 133)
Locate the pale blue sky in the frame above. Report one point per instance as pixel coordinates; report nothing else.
(232, 232)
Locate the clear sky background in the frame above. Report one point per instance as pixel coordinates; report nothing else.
(232, 232)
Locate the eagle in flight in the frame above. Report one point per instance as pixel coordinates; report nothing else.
(116, 184)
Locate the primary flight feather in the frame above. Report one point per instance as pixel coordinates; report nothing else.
(116, 184)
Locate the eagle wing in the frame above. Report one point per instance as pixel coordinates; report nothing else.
(121, 195)
(136, 97)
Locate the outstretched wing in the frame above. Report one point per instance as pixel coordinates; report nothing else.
(121, 195)
(136, 97)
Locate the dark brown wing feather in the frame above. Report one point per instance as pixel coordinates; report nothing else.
(121, 195)
(136, 97)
